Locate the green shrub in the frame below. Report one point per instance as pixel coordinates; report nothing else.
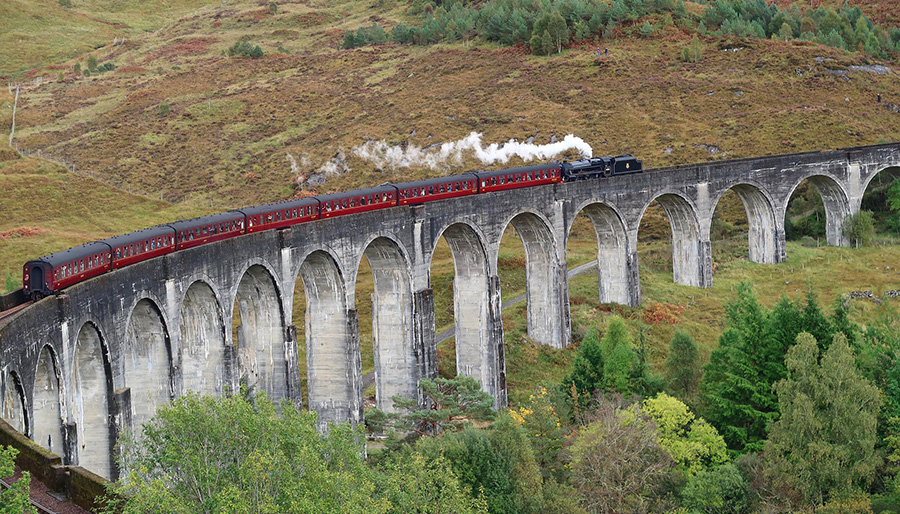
(92, 63)
(719, 490)
(273, 8)
(244, 48)
(67, 4)
(860, 228)
(808, 242)
(164, 110)
(77, 68)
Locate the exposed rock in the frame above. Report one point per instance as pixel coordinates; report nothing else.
(872, 68)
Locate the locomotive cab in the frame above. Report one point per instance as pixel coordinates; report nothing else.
(34, 280)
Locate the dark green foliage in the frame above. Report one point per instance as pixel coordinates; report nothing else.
(164, 110)
(619, 357)
(499, 462)
(92, 63)
(453, 403)
(374, 35)
(813, 320)
(511, 22)
(273, 8)
(77, 68)
(67, 4)
(721, 490)
(587, 373)
(683, 366)
(736, 395)
(244, 48)
(736, 391)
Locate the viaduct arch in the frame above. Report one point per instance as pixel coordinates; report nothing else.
(78, 368)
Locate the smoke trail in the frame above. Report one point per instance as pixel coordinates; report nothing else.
(385, 156)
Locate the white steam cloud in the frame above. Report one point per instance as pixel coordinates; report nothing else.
(385, 156)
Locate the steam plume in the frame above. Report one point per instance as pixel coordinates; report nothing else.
(385, 156)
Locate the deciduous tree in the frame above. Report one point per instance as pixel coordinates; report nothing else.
(824, 441)
(15, 499)
(618, 464)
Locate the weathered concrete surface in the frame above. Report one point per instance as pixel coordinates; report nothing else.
(78, 368)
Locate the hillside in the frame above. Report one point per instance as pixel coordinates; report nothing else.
(178, 120)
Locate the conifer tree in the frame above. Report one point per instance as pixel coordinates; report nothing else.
(619, 356)
(736, 392)
(683, 366)
(587, 372)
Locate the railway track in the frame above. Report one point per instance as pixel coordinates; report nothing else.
(40, 508)
(7, 313)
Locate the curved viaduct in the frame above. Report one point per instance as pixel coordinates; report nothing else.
(77, 368)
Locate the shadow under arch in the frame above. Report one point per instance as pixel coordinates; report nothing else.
(204, 352)
(544, 280)
(875, 196)
(92, 392)
(479, 350)
(396, 372)
(612, 253)
(259, 334)
(332, 342)
(762, 236)
(47, 406)
(690, 254)
(837, 206)
(148, 362)
(14, 411)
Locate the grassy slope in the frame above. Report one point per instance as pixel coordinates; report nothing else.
(38, 33)
(232, 122)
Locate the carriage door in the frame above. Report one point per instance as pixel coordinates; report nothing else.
(37, 279)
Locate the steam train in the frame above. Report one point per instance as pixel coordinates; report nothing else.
(49, 274)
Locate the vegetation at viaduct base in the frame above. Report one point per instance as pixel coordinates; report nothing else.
(795, 411)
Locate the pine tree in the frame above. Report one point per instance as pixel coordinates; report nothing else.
(587, 371)
(683, 366)
(814, 321)
(619, 356)
(736, 392)
(548, 42)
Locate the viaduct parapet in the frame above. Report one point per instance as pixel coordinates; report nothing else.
(78, 368)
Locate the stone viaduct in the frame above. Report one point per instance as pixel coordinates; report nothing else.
(77, 368)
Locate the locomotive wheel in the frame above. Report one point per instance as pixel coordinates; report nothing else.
(36, 296)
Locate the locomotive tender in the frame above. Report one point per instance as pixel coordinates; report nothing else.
(49, 274)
